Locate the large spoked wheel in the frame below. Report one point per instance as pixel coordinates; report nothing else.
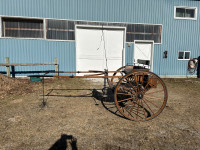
(113, 81)
(140, 95)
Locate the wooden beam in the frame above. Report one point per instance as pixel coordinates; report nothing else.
(92, 76)
(7, 66)
(56, 66)
(27, 64)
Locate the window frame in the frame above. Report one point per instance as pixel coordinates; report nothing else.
(22, 18)
(145, 34)
(54, 39)
(82, 22)
(184, 55)
(186, 18)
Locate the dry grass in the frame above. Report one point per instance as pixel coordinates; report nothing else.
(24, 125)
(11, 86)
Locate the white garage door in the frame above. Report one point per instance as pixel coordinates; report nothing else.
(98, 49)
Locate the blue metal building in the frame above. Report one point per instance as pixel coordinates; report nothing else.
(34, 31)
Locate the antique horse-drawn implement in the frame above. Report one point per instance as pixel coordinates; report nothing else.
(138, 93)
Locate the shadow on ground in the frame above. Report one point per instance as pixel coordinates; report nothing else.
(62, 143)
(107, 102)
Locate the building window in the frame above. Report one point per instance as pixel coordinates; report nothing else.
(185, 12)
(144, 32)
(60, 30)
(54, 29)
(184, 55)
(22, 28)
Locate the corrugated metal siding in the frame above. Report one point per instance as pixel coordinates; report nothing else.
(38, 51)
(177, 34)
(94, 10)
(129, 54)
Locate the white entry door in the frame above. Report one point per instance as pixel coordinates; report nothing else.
(143, 54)
(98, 49)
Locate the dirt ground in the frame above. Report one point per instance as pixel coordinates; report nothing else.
(74, 118)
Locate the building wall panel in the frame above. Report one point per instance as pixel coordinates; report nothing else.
(176, 34)
(38, 51)
(129, 54)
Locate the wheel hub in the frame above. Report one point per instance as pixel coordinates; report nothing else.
(140, 96)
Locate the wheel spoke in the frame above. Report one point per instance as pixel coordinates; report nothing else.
(151, 97)
(146, 87)
(132, 107)
(124, 94)
(134, 112)
(127, 89)
(129, 113)
(128, 105)
(131, 84)
(151, 102)
(143, 109)
(135, 78)
(142, 80)
(137, 108)
(148, 107)
(137, 111)
(154, 92)
(125, 99)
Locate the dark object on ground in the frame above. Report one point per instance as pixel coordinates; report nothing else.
(198, 68)
(61, 144)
